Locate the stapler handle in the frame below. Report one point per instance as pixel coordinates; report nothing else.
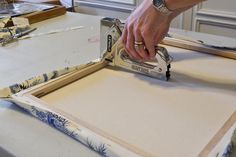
(158, 68)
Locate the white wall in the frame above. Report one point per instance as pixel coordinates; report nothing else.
(213, 16)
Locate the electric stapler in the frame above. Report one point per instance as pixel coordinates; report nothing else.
(113, 52)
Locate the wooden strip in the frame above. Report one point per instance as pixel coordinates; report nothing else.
(39, 16)
(199, 48)
(219, 135)
(65, 80)
(55, 2)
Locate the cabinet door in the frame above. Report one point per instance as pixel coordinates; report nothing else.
(113, 8)
(213, 16)
(216, 17)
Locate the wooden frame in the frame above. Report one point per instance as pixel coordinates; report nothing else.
(199, 47)
(55, 2)
(39, 16)
(30, 100)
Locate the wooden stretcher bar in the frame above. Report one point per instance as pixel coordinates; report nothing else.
(40, 15)
(199, 47)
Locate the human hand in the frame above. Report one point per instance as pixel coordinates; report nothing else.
(144, 28)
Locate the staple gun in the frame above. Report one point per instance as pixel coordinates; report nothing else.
(113, 52)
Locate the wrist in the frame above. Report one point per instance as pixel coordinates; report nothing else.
(169, 4)
(178, 4)
(161, 7)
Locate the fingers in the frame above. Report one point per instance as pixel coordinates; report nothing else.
(145, 49)
(128, 41)
(140, 39)
(134, 43)
(139, 44)
(149, 43)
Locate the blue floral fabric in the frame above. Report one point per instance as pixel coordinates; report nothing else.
(230, 149)
(15, 88)
(64, 125)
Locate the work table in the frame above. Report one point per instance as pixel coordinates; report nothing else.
(21, 134)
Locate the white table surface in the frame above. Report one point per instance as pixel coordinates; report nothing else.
(21, 134)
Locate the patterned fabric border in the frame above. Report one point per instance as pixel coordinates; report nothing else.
(7, 33)
(95, 142)
(230, 147)
(13, 89)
